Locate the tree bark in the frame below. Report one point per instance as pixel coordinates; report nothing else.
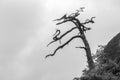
(86, 44)
(88, 52)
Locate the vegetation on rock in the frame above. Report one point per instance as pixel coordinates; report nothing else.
(105, 64)
(105, 68)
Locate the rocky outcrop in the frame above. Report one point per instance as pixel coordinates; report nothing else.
(112, 49)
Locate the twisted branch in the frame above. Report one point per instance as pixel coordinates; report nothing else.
(60, 47)
(89, 21)
(80, 26)
(70, 17)
(59, 38)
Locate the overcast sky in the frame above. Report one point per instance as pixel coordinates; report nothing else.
(26, 27)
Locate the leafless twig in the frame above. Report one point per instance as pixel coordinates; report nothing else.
(60, 47)
(58, 38)
(82, 48)
(89, 21)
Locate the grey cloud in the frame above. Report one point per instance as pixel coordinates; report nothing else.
(17, 23)
(19, 20)
(22, 54)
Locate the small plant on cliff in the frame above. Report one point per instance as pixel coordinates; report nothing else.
(105, 68)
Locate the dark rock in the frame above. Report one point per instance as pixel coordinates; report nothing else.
(112, 49)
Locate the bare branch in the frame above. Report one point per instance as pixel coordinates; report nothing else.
(92, 19)
(60, 47)
(82, 47)
(86, 22)
(86, 28)
(54, 41)
(67, 32)
(74, 15)
(62, 22)
(63, 17)
(81, 9)
(59, 38)
(57, 33)
(55, 38)
(51, 43)
(89, 21)
(70, 17)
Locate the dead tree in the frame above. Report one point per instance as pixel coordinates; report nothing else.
(81, 34)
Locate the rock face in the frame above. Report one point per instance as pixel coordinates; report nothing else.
(112, 49)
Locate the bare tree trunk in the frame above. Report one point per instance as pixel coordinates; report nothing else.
(86, 44)
(88, 53)
(81, 28)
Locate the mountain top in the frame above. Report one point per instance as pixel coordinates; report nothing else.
(112, 49)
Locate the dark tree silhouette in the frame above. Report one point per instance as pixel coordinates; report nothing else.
(81, 34)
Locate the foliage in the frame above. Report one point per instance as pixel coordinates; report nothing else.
(105, 69)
